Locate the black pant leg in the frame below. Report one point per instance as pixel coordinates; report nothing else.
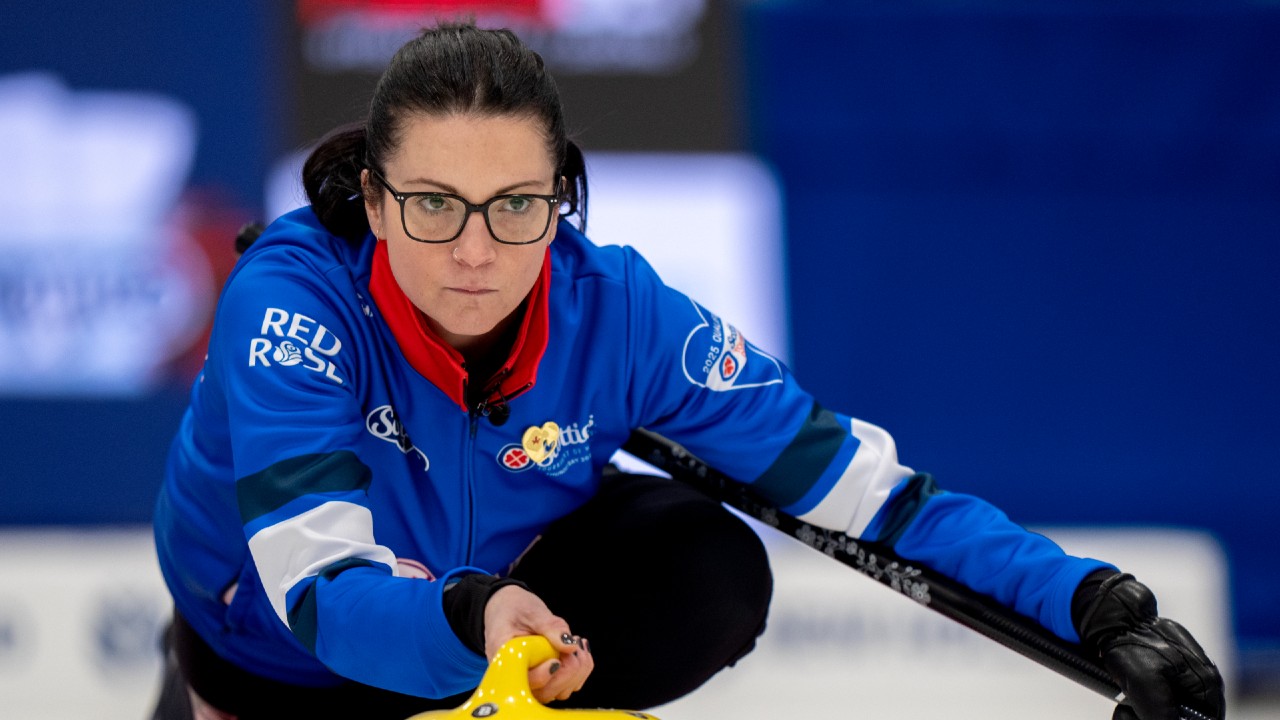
(189, 661)
(173, 702)
(668, 586)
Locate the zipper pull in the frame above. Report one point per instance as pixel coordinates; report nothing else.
(498, 413)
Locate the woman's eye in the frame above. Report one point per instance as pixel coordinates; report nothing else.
(433, 203)
(516, 204)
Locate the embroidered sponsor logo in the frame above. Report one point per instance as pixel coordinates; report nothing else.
(718, 357)
(542, 443)
(383, 424)
(286, 353)
(294, 339)
(549, 447)
(513, 457)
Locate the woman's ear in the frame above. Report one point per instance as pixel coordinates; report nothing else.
(555, 211)
(371, 210)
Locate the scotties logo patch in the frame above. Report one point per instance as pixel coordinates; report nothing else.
(551, 448)
(542, 444)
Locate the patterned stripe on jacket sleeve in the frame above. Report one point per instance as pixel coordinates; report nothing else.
(306, 516)
(837, 472)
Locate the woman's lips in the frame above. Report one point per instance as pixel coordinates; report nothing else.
(472, 290)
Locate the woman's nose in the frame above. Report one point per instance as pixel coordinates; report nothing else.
(474, 247)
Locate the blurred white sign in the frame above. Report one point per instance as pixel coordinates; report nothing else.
(81, 613)
(99, 288)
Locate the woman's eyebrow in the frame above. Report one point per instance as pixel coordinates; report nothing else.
(446, 187)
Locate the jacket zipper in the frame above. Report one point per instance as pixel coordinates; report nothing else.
(482, 408)
(469, 474)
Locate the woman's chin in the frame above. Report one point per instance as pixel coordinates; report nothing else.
(464, 335)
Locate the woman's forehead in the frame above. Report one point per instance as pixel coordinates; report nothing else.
(458, 140)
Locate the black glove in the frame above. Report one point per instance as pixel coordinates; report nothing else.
(464, 603)
(1154, 660)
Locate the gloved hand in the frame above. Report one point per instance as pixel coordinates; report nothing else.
(1155, 661)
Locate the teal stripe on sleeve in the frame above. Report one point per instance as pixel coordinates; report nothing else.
(288, 480)
(830, 476)
(901, 508)
(804, 459)
(303, 615)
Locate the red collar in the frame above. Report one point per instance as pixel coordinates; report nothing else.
(438, 361)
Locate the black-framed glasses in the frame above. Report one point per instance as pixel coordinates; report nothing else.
(439, 217)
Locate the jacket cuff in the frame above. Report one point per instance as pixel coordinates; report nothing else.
(464, 602)
(1086, 592)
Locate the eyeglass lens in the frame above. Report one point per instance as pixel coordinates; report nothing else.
(512, 219)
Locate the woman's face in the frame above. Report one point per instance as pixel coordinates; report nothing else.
(469, 288)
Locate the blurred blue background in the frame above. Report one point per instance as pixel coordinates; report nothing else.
(1037, 242)
(1040, 244)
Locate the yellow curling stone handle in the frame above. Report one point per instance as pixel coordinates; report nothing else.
(504, 692)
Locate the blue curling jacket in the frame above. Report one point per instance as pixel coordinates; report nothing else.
(330, 476)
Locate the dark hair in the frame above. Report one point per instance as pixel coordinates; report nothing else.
(454, 67)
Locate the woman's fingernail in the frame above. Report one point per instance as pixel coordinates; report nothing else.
(586, 645)
(554, 667)
(566, 638)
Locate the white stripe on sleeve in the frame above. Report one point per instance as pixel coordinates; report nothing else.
(865, 484)
(306, 544)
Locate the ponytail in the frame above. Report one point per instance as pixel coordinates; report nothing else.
(331, 178)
